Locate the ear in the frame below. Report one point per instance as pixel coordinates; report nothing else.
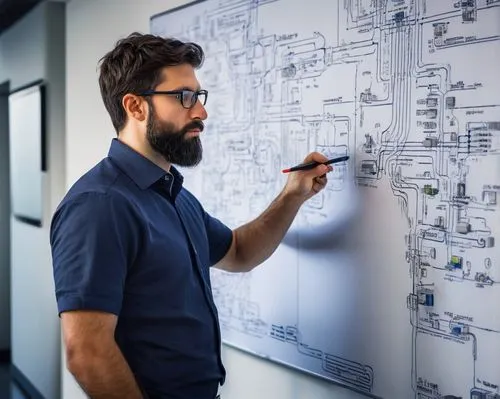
(135, 107)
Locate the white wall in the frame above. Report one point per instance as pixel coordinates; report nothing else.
(93, 27)
(30, 50)
(4, 221)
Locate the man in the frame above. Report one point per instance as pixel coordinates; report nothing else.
(132, 248)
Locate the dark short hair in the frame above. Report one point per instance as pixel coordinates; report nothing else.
(135, 65)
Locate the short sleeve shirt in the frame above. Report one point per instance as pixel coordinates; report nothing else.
(130, 240)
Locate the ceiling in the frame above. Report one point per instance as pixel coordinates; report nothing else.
(13, 10)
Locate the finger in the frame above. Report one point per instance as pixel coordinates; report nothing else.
(330, 168)
(317, 187)
(320, 180)
(315, 156)
(320, 170)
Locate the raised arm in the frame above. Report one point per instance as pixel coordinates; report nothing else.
(254, 242)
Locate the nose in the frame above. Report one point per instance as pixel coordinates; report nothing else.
(198, 111)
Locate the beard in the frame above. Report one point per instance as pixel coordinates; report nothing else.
(172, 144)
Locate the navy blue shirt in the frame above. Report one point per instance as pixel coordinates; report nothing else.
(128, 239)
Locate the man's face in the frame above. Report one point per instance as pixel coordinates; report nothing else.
(172, 129)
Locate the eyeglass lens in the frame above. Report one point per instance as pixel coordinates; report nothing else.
(189, 98)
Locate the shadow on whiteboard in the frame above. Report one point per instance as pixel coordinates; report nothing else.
(326, 220)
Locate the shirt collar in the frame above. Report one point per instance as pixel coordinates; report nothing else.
(141, 170)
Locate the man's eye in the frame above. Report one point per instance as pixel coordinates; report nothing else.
(188, 96)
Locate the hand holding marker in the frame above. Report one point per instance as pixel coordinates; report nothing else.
(313, 164)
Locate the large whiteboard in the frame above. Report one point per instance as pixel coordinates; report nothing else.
(388, 282)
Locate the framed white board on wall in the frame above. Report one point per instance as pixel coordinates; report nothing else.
(27, 152)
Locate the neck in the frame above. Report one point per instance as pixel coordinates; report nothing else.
(141, 145)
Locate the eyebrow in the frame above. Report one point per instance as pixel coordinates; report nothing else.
(187, 88)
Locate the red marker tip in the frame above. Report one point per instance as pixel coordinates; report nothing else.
(285, 170)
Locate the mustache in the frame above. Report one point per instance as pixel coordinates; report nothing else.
(195, 125)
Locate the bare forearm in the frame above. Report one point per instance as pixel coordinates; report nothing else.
(104, 374)
(256, 241)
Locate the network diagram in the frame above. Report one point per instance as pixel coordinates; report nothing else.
(410, 90)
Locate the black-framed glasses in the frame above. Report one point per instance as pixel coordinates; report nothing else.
(188, 98)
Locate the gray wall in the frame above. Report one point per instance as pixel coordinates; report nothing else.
(32, 49)
(4, 221)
